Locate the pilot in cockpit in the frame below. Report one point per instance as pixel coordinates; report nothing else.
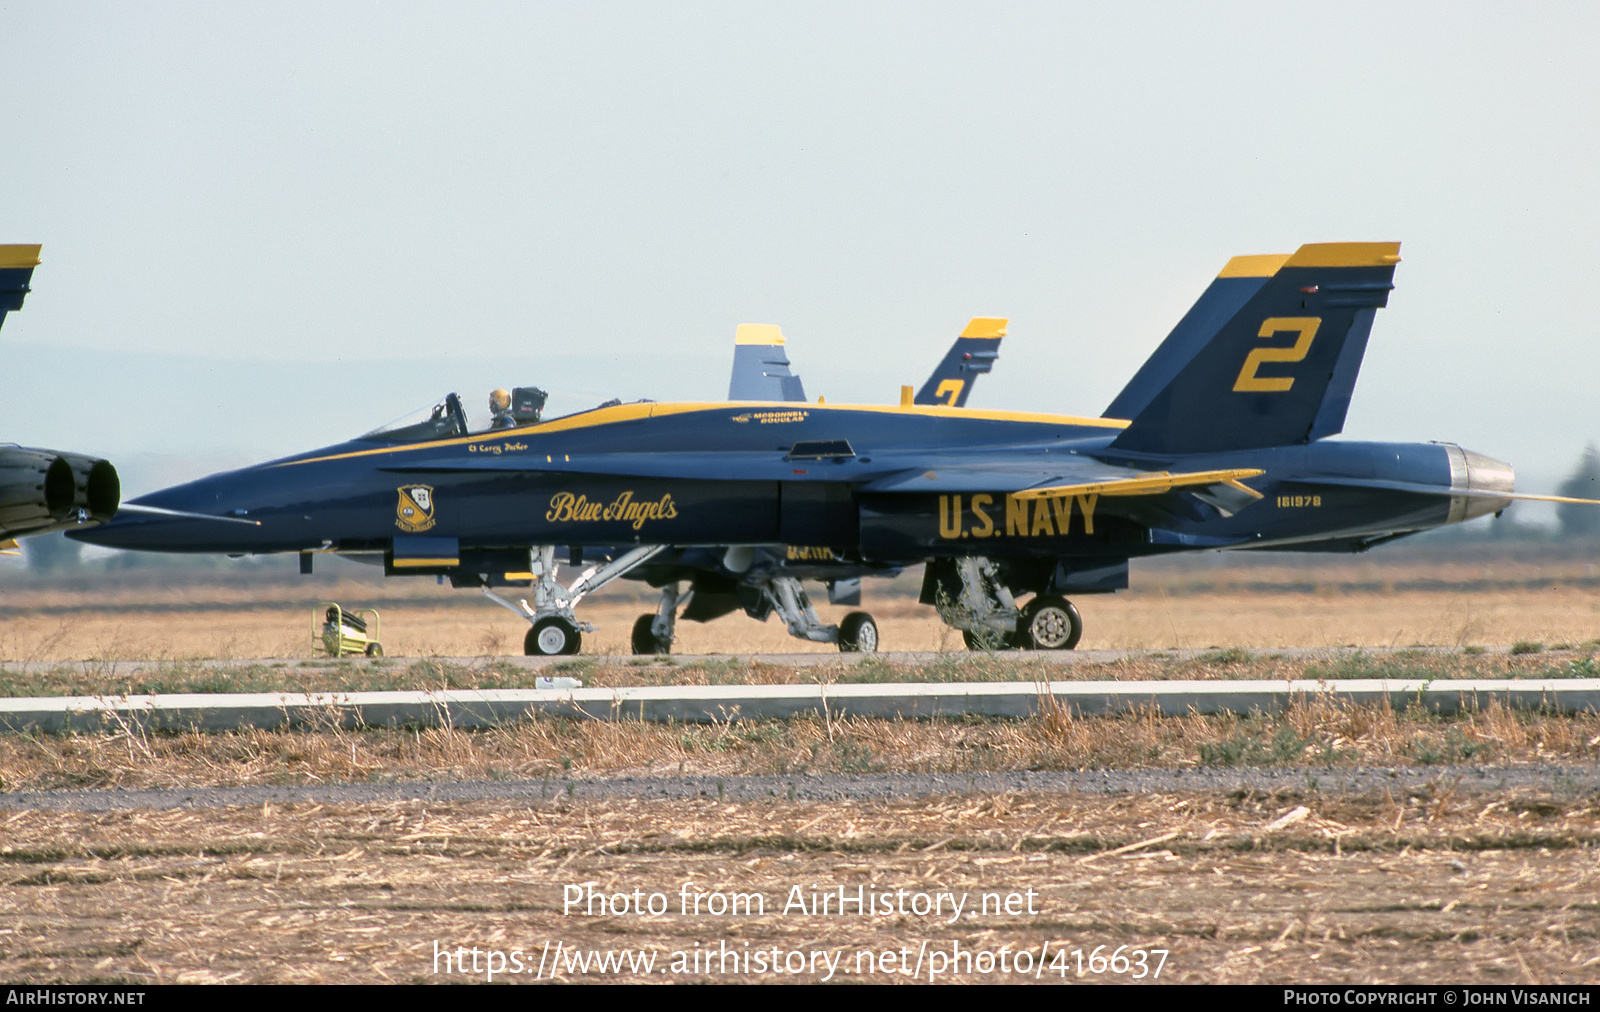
(519, 406)
(500, 410)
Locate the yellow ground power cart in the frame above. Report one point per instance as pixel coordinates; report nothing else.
(341, 632)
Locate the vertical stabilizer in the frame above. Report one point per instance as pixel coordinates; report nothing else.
(16, 270)
(1237, 284)
(760, 368)
(1280, 371)
(973, 354)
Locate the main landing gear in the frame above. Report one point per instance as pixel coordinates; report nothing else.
(555, 626)
(858, 633)
(653, 634)
(989, 618)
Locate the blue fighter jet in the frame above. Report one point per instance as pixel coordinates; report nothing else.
(761, 581)
(45, 490)
(1221, 441)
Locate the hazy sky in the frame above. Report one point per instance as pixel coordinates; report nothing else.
(270, 226)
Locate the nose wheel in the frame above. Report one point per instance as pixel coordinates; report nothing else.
(552, 636)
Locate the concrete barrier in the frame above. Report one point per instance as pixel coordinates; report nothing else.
(721, 703)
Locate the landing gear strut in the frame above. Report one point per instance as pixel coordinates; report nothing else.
(653, 634)
(987, 614)
(556, 629)
(858, 633)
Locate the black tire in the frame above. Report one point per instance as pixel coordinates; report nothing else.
(551, 636)
(645, 643)
(858, 634)
(985, 641)
(1049, 623)
(374, 649)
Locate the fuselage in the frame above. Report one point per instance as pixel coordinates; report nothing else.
(730, 474)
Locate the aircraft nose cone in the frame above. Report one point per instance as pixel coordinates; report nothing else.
(137, 530)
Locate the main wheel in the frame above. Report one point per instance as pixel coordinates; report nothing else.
(374, 649)
(1049, 623)
(644, 637)
(858, 634)
(550, 636)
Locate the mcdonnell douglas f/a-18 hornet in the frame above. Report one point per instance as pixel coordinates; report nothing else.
(1220, 441)
(45, 490)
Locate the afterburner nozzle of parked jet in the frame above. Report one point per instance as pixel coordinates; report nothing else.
(96, 489)
(43, 491)
(1477, 473)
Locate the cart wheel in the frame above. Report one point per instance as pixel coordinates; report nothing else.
(374, 649)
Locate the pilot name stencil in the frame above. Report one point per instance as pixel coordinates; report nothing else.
(496, 448)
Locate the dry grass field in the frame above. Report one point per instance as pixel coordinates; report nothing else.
(1546, 594)
(1299, 885)
(1246, 887)
(1320, 736)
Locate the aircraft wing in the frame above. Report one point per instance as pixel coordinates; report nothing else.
(1075, 476)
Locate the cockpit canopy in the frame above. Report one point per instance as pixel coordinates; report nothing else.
(449, 419)
(445, 420)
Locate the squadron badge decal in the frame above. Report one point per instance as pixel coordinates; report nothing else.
(415, 511)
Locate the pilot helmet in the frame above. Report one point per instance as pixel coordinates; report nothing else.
(499, 400)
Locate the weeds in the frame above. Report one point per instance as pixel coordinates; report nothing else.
(1316, 732)
(1232, 655)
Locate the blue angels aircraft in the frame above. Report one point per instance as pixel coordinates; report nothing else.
(45, 490)
(1221, 441)
(761, 581)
